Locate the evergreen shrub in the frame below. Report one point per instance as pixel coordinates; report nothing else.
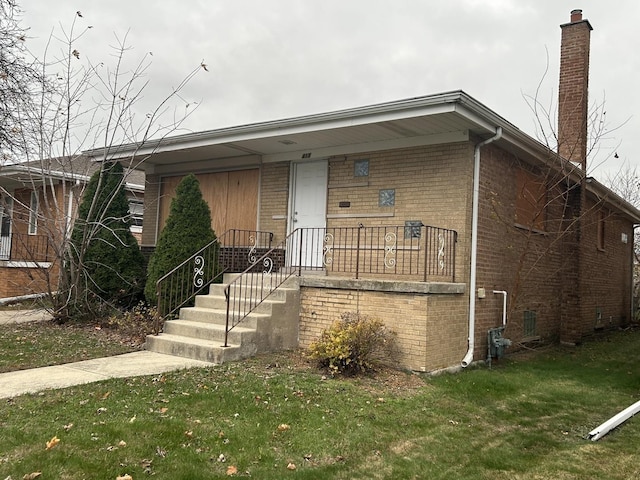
(187, 230)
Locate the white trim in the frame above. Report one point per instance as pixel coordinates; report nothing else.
(361, 215)
(21, 264)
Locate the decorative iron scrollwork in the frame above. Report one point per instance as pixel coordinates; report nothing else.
(327, 250)
(198, 271)
(390, 241)
(441, 244)
(268, 266)
(252, 251)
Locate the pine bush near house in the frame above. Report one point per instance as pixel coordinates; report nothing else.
(354, 344)
(107, 255)
(187, 230)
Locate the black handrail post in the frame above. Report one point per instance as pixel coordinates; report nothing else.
(358, 252)
(299, 252)
(453, 256)
(226, 327)
(426, 251)
(233, 252)
(156, 321)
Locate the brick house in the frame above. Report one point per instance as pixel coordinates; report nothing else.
(38, 201)
(434, 214)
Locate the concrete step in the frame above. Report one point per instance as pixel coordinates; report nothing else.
(208, 331)
(216, 290)
(211, 302)
(219, 317)
(197, 349)
(199, 331)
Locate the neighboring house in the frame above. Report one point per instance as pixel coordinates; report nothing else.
(38, 203)
(511, 222)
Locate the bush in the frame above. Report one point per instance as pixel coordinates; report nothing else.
(354, 344)
(104, 249)
(136, 323)
(187, 230)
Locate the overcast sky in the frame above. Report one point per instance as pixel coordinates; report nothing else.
(281, 58)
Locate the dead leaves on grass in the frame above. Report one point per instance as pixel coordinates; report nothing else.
(52, 443)
(32, 476)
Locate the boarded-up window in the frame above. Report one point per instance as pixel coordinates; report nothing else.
(231, 196)
(531, 201)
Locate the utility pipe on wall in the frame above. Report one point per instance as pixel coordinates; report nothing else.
(504, 305)
(468, 358)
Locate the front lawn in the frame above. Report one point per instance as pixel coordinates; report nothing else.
(277, 416)
(40, 344)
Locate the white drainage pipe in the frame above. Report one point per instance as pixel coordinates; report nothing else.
(599, 432)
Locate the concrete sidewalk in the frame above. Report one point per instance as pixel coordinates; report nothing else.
(133, 364)
(23, 316)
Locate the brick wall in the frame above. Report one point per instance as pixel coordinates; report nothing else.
(274, 199)
(432, 184)
(559, 273)
(431, 329)
(18, 281)
(605, 283)
(527, 264)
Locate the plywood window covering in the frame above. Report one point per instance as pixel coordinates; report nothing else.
(231, 196)
(531, 201)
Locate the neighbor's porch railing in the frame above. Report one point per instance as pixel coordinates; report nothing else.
(416, 252)
(26, 248)
(233, 251)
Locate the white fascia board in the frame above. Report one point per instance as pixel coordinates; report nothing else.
(437, 104)
(435, 139)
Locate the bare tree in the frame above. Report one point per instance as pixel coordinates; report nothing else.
(72, 105)
(20, 78)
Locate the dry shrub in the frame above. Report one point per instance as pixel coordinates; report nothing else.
(354, 344)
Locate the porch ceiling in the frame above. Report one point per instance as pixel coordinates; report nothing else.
(409, 121)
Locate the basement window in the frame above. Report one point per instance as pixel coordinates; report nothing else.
(529, 324)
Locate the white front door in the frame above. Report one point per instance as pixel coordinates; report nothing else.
(309, 211)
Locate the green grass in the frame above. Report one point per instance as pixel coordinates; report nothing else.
(39, 344)
(524, 419)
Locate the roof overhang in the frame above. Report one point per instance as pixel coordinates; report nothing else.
(441, 118)
(445, 117)
(20, 176)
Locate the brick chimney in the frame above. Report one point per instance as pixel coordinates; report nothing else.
(573, 89)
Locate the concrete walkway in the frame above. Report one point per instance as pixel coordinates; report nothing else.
(133, 364)
(23, 316)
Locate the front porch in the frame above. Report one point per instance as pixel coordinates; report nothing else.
(404, 276)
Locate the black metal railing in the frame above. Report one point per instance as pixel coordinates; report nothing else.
(26, 248)
(416, 252)
(234, 250)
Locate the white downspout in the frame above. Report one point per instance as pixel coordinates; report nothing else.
(468, 358)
